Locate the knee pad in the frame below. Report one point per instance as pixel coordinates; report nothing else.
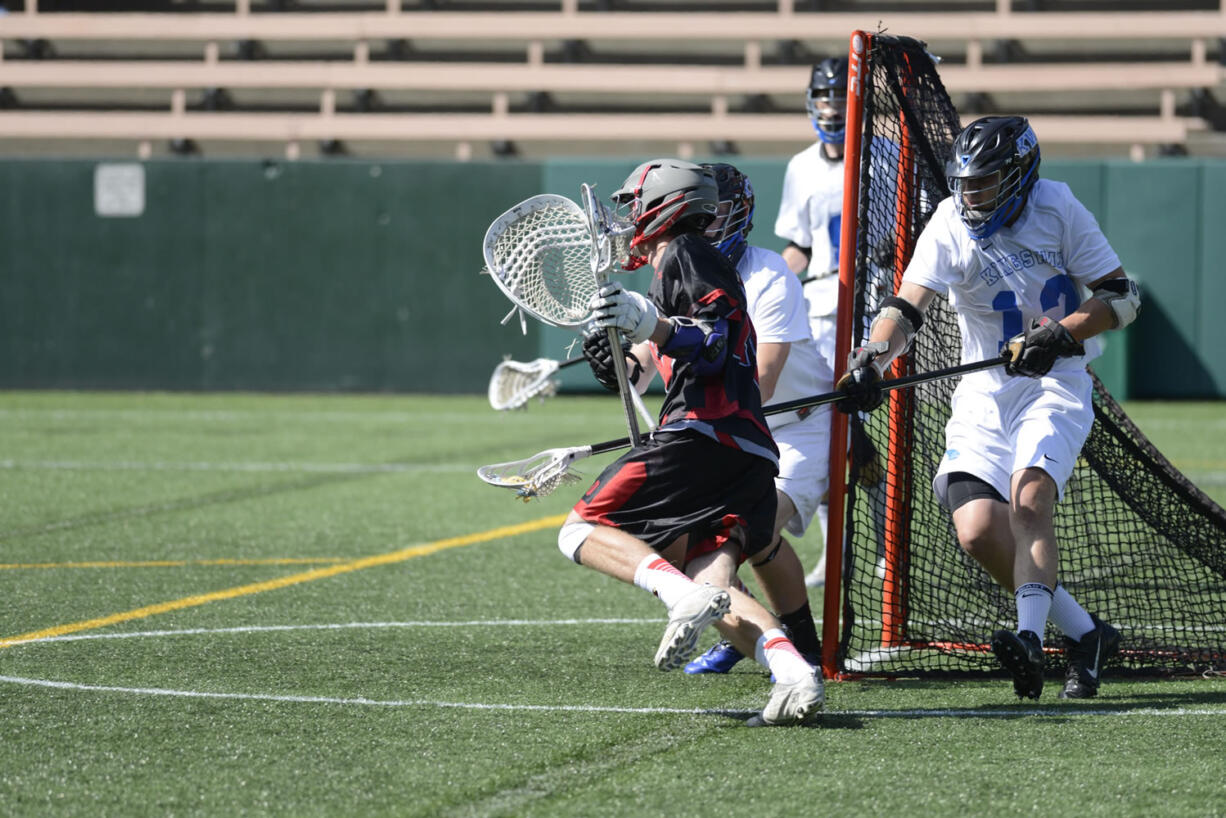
(573, 535)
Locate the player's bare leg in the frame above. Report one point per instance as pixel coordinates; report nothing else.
(986, 536)
(691, 607)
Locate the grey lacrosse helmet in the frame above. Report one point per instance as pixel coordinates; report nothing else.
(663, 193)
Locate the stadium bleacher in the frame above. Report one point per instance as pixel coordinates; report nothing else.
(452, 78)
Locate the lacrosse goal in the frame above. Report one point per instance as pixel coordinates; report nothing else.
(1140, 545)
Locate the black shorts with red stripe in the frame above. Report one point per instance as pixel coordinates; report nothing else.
(680, 483)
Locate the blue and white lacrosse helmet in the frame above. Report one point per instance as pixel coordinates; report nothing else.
(995, 162)
(734, 218)
(826, 100)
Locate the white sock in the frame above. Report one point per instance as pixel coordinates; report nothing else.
(777, 654)
(1033, 603)
(1067, 615)
(657, 575)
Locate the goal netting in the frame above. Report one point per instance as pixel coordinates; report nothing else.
(1140, 546)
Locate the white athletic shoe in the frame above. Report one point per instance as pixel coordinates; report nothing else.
(686, 621)
(795, 703)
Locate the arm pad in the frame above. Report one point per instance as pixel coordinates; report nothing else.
(1122, 296)
(903, 313)
(702, 343)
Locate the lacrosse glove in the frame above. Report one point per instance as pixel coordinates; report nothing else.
(599, 354)
(862, 380)
(1033, 352)
(624, 310)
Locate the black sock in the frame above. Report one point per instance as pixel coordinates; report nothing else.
(803, 632)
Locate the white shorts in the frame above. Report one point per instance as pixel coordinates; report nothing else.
(1024, 423)
(804, 466)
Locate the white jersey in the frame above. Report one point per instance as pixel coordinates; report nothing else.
(776, 306)
(1039, 266)
(811, 215)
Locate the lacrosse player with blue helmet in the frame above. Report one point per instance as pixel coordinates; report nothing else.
(707, 470)
(1031, 277)
(811, 216)
(789, 367)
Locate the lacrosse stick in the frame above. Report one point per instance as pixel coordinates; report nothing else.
(550, 258)
(541, 474)
(513, 384)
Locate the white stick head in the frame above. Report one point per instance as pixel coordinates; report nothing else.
(536, 476)
(539, 254)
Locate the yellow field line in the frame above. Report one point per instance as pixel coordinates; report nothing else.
(17, 566)
(293, 579)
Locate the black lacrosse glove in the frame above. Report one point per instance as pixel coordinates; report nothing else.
(1033, 352)
(862, 381)
(599, 354)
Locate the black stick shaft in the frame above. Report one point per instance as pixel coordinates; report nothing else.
(832, 397)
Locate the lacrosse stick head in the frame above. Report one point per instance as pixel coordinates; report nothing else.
(539, 253)
(611, 236)
(536, 476)
(513, 384)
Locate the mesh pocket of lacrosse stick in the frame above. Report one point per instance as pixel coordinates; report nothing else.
(540, 254)
(536, 476)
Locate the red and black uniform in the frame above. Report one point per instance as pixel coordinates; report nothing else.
(708, 470)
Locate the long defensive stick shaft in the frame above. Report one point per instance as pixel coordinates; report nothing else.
(832, 397)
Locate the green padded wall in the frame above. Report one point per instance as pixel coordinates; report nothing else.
(361, 275)
(257, 275)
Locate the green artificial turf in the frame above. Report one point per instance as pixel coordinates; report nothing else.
(307, 605)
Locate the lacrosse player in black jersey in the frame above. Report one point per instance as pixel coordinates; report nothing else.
(708, 469)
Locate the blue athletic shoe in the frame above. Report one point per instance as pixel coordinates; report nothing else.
(721, 658)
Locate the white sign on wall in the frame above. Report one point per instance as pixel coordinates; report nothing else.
(119, 189)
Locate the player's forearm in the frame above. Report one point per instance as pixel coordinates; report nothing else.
(771, 358)
(1090, 319)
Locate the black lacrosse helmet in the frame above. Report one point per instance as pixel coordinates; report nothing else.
(828, 85)
(734, 219)
(995, 162)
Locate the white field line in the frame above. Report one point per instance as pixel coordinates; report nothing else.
(361, 701)
(229, 415)
(156, 465)
(476, 623)
(584, 708)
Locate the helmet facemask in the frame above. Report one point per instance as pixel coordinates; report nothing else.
(827, 108)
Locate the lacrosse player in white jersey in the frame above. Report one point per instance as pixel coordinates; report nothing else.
(1015, 256)
(811, 220)
(789, 367)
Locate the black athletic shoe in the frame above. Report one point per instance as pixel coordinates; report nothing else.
(1022, 655)
(1086, 659)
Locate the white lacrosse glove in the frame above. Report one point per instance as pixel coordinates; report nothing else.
(625, 310)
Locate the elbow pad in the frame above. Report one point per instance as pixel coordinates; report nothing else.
(1123, 297)
(902, 313)
(704, 344)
